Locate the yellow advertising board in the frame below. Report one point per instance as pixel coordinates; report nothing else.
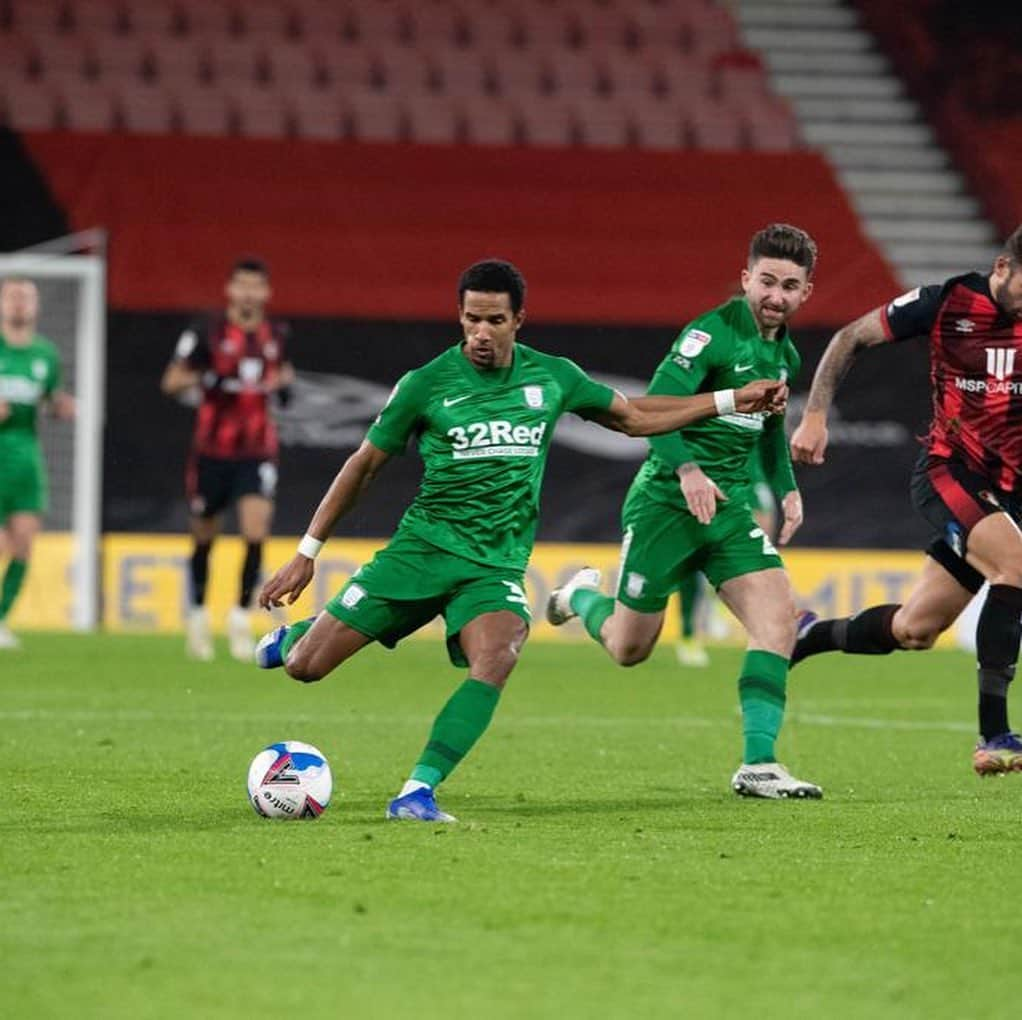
(145, 581)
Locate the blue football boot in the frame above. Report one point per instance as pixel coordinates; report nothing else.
(418, 806)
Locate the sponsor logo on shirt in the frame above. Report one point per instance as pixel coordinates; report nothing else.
(693, 342)
(39, 368)
(1000, 362)
(495, 439)
(18, 390)
(1000, 368)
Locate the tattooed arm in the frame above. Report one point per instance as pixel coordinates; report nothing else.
(809, 440)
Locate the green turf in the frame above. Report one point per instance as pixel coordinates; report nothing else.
(601, 868)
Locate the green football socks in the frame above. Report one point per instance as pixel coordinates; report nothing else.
(761, 689)
(14, 577)
(459, 725)
(294, 632)
(593, 608)
(688, 591)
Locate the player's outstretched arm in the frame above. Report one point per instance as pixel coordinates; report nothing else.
(178, 377)
(355, 475)
(657, 415)
(809, 440)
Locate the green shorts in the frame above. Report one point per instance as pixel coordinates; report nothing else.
(410, 582)
(662, 544)
(23, 488)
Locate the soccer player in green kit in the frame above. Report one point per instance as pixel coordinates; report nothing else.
(29, 379)
(688, 508)
(483, 412)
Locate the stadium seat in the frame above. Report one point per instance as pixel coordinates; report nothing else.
(770, 126)
(238, 60)
(547, 27)
(97, 17)
(86, 106)
(381, 24)
(570, 73)
(146, 109)
(684, 80)
(204, 110)
(321, 21)
(517, 75)
(401, 71)
(602, 122)
(714, 125)
(604, 26)
(261, 113)
(374, 116)
(346, 65)
(179, 60)
(662, 27)
(267, 19)
(489, 121)
(658, 125)
(296, 65)
(35, 18)
(627, 73)
(121, 57)
(317, 114)
(202, 19)
(712, 31)
(61, 55)
(432, 119)
(30, 106)
(550, 123)
(437, 23)
(153, 18)
(494, 29)
(462, 72)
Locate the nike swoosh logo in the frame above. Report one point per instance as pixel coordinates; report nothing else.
(744, 368)
(448, 402)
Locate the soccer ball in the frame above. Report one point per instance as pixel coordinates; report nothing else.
(289, 780)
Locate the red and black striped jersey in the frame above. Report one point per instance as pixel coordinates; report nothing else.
(975, 352)
(234, 421)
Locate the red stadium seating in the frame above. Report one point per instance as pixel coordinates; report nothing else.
(490, 121)
(603, 235)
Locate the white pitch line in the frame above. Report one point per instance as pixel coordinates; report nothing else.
(595, 721)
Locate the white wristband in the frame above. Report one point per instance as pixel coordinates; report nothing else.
(724, 401)
(309, 546)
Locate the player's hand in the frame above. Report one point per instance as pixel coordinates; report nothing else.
(809, 440)
(768, 395)
(791, 508)
(287, 583)
(701, 492)
(5, 410)
(64, 406)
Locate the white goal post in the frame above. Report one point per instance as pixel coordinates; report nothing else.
(82, 343)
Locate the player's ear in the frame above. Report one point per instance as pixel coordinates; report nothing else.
(746, 278)
(519, 318)
(808, 292)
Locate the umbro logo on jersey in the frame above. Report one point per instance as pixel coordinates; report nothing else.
(451, 401)
(964, 325)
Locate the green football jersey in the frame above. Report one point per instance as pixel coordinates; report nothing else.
(28, 375)
(722, 349)
(484, 437)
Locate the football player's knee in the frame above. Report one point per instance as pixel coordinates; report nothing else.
(300, 668)
(629, 653)
(917, 636)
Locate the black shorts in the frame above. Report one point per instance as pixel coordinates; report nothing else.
(213, 484)
(953, 499)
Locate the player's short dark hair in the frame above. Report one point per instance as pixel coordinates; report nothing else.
(1013, 246)
(251, 264)
(494, 276)
(783, 241)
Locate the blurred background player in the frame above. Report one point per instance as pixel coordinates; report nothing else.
(967, 483)
(697, 608)
(688, 507)
(29, 377)
(235, 361)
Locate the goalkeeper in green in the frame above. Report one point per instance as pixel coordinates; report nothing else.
(689, 506)
(29, 379)
(482, 413)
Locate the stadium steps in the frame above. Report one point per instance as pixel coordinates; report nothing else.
(850, 104)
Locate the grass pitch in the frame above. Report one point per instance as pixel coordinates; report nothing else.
(602, 868)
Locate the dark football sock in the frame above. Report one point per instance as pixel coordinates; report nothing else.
(866, 633)
(199, 567)
(998, 635)
(250, 572)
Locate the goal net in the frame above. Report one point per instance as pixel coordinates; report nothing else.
(63, 581)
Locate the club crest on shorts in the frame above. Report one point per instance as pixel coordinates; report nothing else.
(533, 396)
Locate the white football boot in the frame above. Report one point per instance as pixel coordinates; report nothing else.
(774, 781)
(198, 637)
(690, 652)
(558, 606)
(9, 642)
(239, 634)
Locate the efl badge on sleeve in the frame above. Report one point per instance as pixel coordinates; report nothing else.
(693, 342)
